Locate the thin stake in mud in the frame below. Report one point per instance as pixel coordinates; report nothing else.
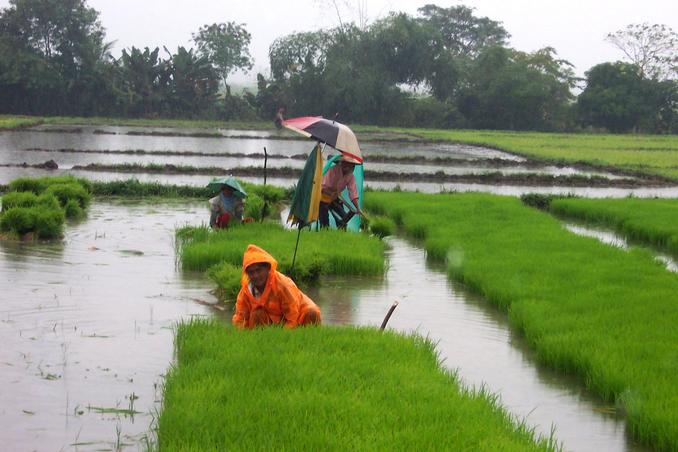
(263, 208)
(388, 314)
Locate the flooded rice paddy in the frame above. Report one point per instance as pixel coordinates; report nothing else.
(87, 323)
(71, 146)
(87, 331)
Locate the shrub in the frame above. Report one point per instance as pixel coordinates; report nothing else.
(539, 201)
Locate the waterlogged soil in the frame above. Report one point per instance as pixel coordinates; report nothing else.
(86, 325)
(403, 166)
(90, 149)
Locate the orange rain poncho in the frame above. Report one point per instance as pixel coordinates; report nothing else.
(281, 298)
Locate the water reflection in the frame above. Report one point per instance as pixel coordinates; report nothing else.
(87, 324)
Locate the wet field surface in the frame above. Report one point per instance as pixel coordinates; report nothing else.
(86, 328)
(36, 146)
(87, 331)
(86, 323)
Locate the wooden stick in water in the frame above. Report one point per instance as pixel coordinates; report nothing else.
(388, 314)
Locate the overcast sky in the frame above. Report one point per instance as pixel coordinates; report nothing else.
(575, 28)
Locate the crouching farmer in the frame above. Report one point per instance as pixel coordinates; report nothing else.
(269, 297)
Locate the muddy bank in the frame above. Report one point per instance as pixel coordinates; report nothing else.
(378, 158)
(440, 177)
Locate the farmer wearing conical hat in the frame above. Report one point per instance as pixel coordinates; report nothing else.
(226, 207)
(268, 297)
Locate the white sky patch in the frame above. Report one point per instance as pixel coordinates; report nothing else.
(575, 28)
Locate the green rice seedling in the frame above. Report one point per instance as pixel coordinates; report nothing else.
(40, 184)
(327, 251)
(18, 199)
(227, 277)
(382, 226)
(650, 221)
(134, 188)
(70, 191)
(323, 388)
(19, 220)
(48, 223)
(73, 210)
(29, 199)
(633, 153)
(604, 314)
(254, 207)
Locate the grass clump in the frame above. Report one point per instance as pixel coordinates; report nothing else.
(70, 192)
(37, 208)
(323, 389)
(381, 226)
(604, 314)
(650, 221)
(323, 252)
(45, 224)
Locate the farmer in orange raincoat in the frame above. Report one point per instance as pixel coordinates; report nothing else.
(269, 297)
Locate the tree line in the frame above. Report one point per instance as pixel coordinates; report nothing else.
(443, 67)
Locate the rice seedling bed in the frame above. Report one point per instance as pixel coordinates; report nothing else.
(323, 389)
(650, 221)
(38, 208)
(604, 314)
(644, 154)
(132, 188)
(324, 252)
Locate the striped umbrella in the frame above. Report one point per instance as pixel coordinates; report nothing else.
(332, 133)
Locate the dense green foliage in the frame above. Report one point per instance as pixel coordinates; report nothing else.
(323, 389)
(652, 221)
(323, 252)
(443, 67)
(602, 313)
(40, 206)
(619, 98)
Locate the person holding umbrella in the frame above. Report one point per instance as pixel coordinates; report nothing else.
(228, 205)
(335, 180)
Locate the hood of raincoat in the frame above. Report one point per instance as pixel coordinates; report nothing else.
(255, 255)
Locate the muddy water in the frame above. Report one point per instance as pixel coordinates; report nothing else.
(9, 174)
(474, 338)
(14, 146)
(66, 160)
(86, 325)
(610, 238)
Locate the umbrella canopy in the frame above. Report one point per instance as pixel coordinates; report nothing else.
(232, 182)
(306, 199)
(330, 132)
